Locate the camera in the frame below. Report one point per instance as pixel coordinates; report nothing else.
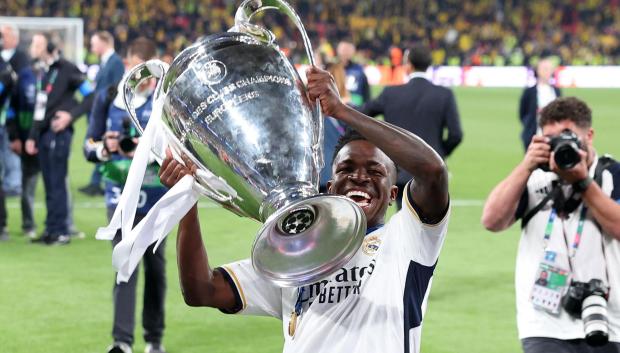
(588, 301)
(566, 148)
(126, 137)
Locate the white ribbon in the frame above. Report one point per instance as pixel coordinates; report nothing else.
(162, 217)
(160, 220)
(125, 211)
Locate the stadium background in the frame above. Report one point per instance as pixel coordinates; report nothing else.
(59, 299)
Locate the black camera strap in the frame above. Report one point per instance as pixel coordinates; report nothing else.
(603, 163)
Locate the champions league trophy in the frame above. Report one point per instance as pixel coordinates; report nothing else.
(235, 105)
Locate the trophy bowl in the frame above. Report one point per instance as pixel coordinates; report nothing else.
(236, 106)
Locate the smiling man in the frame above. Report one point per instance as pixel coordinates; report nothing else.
(376, 302)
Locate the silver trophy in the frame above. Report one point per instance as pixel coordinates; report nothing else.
(238, 109)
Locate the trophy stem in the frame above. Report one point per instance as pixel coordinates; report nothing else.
(283, 196)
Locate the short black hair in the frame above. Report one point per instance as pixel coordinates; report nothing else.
(567, 108)
(351, 135)
(420, 57)
(348, 136)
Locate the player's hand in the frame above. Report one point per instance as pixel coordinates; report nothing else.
(31, 147)
(17, 146)
(61, 121)
(538, 153)
(172, 171)
(322, 86)
(574, 174)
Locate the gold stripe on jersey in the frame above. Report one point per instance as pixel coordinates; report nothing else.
(238, 285)
(415, 213)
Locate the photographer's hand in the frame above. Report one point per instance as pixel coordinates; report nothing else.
(538, 152)
(577, 173)
(110, 141)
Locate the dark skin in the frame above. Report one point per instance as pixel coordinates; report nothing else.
(360, 166)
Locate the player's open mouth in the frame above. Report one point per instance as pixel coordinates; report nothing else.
(361, 198)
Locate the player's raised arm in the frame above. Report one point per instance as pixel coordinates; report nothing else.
(201, 286)
(429, 188)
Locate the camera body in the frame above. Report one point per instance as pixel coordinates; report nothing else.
(126, 137)
(565, 147)
(588, 301)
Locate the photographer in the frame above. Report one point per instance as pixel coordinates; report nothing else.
(112, 140)
(565, 196)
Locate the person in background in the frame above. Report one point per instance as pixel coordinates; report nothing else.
(111, 69)
(57, 81)
(19, 123)
(18, 60)
(419, 106)
(111, 141)
(356, 80)
(7, 81)
(535, 98)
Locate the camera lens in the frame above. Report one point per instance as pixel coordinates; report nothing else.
(566, 155)
(594, 316)
(126, 144)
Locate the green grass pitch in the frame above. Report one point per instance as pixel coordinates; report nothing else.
(58, 299)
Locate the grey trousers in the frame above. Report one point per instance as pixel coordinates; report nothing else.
(30, 174)
(553, 345)
(124, 296)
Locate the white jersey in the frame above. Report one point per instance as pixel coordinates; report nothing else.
(375, 303)
(588, 262)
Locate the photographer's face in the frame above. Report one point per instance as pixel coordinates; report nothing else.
(586, 135)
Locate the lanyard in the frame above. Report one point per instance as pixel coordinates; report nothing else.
(50, 83)
(578, 234)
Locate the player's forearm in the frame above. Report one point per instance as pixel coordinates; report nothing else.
(410, 153)
(501, 205)
(194, 272)
(605, 210)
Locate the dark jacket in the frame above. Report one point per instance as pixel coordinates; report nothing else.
(19, 115)
(423, 108)
(528, 111)
(19, 60)
(67, 80)
(110, 73)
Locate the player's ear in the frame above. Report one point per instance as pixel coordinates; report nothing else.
(329, 186)
(393, 193)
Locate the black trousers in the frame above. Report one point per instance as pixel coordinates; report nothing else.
(553, 345)
(54, 149)
(124, 295)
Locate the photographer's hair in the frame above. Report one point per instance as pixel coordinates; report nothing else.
(567, 108)
(143, 48)
(105, 37)
(420, 57)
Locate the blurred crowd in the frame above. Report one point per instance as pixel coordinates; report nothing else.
(485, 32)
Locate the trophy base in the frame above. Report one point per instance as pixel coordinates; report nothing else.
(308, 240)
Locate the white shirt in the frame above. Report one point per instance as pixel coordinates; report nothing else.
(375, 303)
(106, 56)
(545, 94)
(7, 54)
(419, 74)
(587, 263)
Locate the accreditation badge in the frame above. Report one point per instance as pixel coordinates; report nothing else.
(550, 285)
(40, 106)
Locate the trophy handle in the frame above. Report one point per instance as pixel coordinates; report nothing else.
(244, 15)
(131, 81)
(157, 69)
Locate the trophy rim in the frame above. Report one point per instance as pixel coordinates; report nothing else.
(317, 270)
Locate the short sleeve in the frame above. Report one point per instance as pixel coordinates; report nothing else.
(256, 295)
(413, 240)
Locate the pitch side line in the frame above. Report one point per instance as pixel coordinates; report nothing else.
(14, 204)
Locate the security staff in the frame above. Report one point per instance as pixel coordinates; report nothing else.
(57, 81)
